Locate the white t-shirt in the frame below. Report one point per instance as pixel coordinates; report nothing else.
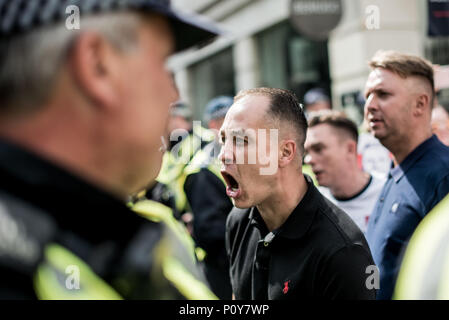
(360, 206)
(375, 157)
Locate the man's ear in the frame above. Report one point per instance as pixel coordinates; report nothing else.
(288, 151)
(351, 146)
(422, 105)
(93, 65)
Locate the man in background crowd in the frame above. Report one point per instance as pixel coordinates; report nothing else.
(316, 99)
(440, 124)
(331, 150)
(206, 195)
(179, 124)
(399, 99)
(185, 140)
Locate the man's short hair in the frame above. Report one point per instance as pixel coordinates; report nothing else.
(335, 119)
(285, 107)
(405, 66)
(35, 41)
(30, 62)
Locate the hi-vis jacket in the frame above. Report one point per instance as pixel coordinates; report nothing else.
(63, 238)
(424, 273)
(175, 161)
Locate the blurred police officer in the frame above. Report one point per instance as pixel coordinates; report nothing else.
(180, 122)
(81, 119)
(424, 273)
(440, 123)
(164, 189)
(206, 194)
(185, 141)
(316, 99)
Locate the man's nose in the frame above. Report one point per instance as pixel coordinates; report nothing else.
(226, 155)
(370, 104)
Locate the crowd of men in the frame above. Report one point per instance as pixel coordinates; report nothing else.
(103, 172)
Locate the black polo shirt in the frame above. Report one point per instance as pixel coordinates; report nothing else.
(318, 252)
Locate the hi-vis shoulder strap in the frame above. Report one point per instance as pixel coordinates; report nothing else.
(205, 159)
(180, 266)
(64, 276)
(424, 272)
(157, 212)
(174, 162)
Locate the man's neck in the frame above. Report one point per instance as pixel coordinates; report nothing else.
(402, 149)
(79, 158)
(351, 184)
(275, 210)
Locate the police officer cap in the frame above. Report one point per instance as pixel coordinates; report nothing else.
(315, 95)
(20, 16)
(181, 109)
(218, 107)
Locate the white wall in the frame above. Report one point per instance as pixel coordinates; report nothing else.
(352, 44)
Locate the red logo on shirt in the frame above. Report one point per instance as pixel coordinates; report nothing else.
(285, 290)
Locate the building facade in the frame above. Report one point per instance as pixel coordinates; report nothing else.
(262, 47)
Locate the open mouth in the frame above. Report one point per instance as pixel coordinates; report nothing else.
(232, 186)
(374, 121)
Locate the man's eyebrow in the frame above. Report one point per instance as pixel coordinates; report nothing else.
(237, 131)
(369, 91)
(315, 145)
(233, 132)
(377, 89)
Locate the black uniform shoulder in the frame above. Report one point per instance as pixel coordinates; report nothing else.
(24, 233)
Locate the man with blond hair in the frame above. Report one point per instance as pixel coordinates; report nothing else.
(399, 99)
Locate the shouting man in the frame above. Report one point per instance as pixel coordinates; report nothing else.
(284, 239)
